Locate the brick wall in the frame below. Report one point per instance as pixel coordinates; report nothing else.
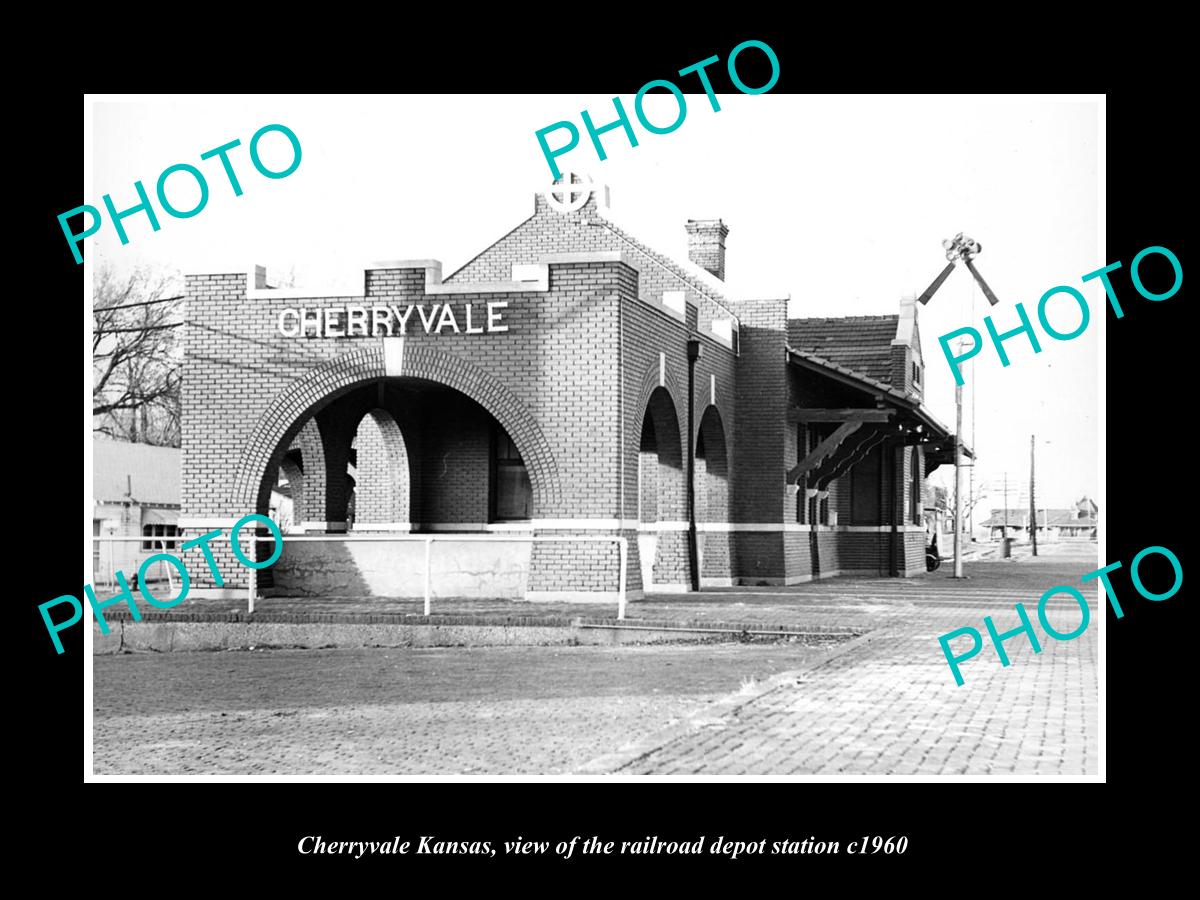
(914, 553)
(798, 554)
(312, 461)
(382, 489)
(456, 441)
(761, 459)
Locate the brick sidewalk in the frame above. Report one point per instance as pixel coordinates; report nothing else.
(889, 705)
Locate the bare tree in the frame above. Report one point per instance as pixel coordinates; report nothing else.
(285, 279)
(136, 356)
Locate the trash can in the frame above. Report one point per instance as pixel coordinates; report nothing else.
(1005, 547)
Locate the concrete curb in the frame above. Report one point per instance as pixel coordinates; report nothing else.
(506, 619)
(718, 713)
(165, 635)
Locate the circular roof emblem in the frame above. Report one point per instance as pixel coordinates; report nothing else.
(569, 199)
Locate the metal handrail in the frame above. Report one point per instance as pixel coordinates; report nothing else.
(429, 539)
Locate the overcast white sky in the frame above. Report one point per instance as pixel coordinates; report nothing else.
(839, 202)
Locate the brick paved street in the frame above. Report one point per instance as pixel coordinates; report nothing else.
(885, 704)
(890, 705)
(496, 710)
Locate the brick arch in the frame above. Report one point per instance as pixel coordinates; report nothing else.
(712, 467)
(662, 476)
(648, 386)
(425, 362)
(663, 555)
(703, 404)
(285, 414)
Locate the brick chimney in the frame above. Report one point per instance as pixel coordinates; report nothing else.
(706, 244)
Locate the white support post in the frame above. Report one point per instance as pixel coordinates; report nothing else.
(252, 587)
(623, 545)
(428, 558)
(958, 562)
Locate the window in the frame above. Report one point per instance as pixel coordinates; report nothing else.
(159, 531)
(916, 374)
(512, 494)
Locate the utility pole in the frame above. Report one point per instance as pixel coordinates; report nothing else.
(958, 566)
(971, 474)
(958, 249)
(1032, 505)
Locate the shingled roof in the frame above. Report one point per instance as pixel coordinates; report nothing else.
(862, 344)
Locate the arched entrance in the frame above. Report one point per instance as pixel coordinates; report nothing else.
(293, 407)
(662, 497)
(419, 455)
(412, 455)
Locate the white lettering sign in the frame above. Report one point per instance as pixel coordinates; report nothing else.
(390, 321)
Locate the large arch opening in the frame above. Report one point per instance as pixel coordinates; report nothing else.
(283, 417)
(662, 497)
(401, 455)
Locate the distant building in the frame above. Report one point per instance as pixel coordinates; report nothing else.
(938, 516)
(1077, 522)
(135, 493)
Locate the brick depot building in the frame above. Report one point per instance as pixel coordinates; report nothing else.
(568, 380)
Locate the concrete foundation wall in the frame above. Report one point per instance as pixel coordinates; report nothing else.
(473, 570)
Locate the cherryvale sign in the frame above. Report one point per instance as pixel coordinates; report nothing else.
(392, 321)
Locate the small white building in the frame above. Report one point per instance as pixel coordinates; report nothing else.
(135, 493)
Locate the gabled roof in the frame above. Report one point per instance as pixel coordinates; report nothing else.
(865, 380)
(137, 472)
(862, 344)
(594, 215)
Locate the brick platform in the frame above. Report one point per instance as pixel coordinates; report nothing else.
(887, 704)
